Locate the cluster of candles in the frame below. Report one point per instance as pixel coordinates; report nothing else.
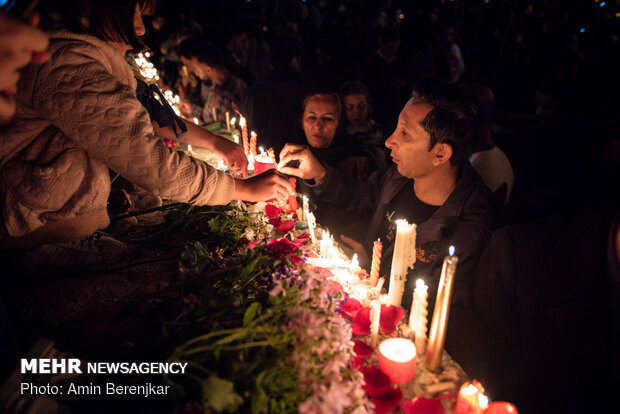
(147, 69)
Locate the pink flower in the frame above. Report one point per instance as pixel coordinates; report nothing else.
(420, 405)
(251, 245)
(361, 323)
(390, 316)
(334, 287)
(350, 308)
(272, 211)
(275, 221)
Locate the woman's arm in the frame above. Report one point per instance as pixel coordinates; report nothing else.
(231, 153)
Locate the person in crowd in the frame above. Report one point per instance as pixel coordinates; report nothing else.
(386, 78)
(221, 91)
(488, 159)
(20, 44)
(541, 326)
(77, 116)
(442, 58)
(363, 130)
(272, 106)
(432, 185)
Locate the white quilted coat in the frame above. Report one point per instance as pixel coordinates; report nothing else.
(77, 115)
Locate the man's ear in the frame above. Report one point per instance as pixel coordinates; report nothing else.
(443, 153)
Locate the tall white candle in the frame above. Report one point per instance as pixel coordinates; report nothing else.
(214, 113)
(227, 121)
(311, 225)
(418, 322)
(375, 310)
(403, 259)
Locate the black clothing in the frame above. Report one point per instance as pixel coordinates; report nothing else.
(537, 327)
(465, 221)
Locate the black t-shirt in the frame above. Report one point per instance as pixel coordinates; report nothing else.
(406, 205)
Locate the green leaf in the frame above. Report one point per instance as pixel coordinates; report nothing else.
(220, 394)
(250, 313)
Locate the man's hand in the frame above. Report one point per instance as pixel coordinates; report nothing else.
(309, 167)
(20, 45)
(357, 247)
(262, 187)
(232, 154)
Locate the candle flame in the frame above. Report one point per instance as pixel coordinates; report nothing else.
(252, 134)
(233, 121)
(196, 120)
(419, 283)
(189, 147)
(451, 250)
(483, 401)
(242, 122)
(379, 239)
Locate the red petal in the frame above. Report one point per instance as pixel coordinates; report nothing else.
(350, 308)
(301, 239)
(275, 221)
(323, 273)
(271, 210)
(286, 226)
(501, 407)
(251, 245)
(390, 316)
(356, 362)
(375, 381)
(334, 287)
(420, 405)
(362, 349)
(361, 323)
(387, 400)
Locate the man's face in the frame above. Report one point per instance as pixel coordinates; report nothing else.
(194, 66)
(410, 142)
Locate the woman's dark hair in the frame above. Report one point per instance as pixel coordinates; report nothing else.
(454, 119)
(110, 20)
(205, 52)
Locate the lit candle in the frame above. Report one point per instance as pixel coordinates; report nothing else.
(471, 399)
(305, 203)
(501, 407)
(253, 143)
(244, 136)
(417, 318)
(397, 358)
(227, 121)
(311, 226)
(376, 262)
(441, 313)
(379, 286)
(403, 259)
(355, 264)
(214, 113)
(262, 163)
(234, 133)
(375, 310)
(324, 245)
(196, 121)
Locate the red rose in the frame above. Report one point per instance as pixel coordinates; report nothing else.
(272, 211)
(280, 248)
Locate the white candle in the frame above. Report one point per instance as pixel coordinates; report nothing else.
(324, 245)
(214, 113)
(311, 226)
(375, 317)
(227, 121)
(379, 285)
(418, 322)
(403, 259)
(355, 264)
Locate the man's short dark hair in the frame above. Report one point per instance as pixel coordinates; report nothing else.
(454, 119)
(110, 20)
(207, 53)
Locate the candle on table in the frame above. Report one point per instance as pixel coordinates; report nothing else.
(227, 121)
(379, 285)
(376, 262)
(403, 259)
(355, 264)
(441, 313)
(324, 245)
(501, 407)
(234, 134)
(417, 318)
(311, 225)
(271, 154)
(253, 143)
(375, 310)
(471, 399)
(305, 204)
(214, 113)
(244, 136)
(397, 358)
(196, 121)
(262, 163)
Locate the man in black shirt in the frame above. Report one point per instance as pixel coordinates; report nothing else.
(432, 184)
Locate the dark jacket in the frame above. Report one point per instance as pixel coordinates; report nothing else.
(538, 323)
(465, 221)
